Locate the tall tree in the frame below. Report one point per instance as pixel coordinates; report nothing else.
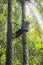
(9, 50)
(24, 38)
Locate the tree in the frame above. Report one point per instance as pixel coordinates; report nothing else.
(24, 38)
(9, 50)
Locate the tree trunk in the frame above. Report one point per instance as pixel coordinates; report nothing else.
(24, 39)
(9, 50)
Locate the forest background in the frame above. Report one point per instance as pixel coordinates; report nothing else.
(34, 14)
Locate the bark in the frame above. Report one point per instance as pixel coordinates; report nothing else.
(24, 39)
(9, 50)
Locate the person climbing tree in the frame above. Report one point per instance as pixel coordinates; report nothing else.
(9, 50)
(24, 37)
(20, 32)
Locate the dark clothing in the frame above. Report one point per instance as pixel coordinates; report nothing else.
(20, 32)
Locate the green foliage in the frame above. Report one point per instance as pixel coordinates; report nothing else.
(35, 42)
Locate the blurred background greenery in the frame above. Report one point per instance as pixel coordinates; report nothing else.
(35, 34)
